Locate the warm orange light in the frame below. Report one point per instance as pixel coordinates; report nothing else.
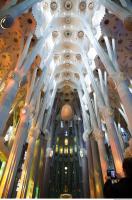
(66, 112)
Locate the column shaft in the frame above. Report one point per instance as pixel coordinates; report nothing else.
(114, 143)
(99, 137)
(6, 102)
(26, 169)
(90, 170)
(97, 169)
(41, 175)
(13, 160)
(86, 190)
(34, 171)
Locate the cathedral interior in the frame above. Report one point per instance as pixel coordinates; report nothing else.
(65, 96)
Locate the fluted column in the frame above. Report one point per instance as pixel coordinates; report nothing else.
(10, 92)
(97, 169)
(8, 97)
(104, 109)
(12, 87)
(126, 98)
(99, 137)
(97, 131)
(7, 182)
(33, 134)
(32, 184)
(85, 180)
(41, 176)
(113, 139)
(90, 170)
(113, 71)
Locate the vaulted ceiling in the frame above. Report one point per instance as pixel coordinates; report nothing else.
(66, 41)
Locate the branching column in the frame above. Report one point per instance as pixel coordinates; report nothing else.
(99, 137)
(15, 154)
(97, 168)
(96, 130)
(34, 170)
(101, 92)
(8, 97)
(42, 162)
(113, 70)
(33, 135)
(91, 169)
(113, 139)
(13, 84)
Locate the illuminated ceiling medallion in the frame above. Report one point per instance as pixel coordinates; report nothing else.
(55, 33)
(45, 5)
(91, 5)
(66, 74)
(82, 5)
(67, 33)
(78, 56)
(67, 64)
(57, 75)
(68, 5)
(80, 34)
(53, 5)
(56, 56)
(77, 76)
(67, 20)
(66, 112)
(67, 56)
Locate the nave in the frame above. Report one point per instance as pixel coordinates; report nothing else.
(65, 98)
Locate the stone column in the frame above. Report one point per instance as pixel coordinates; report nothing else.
(33, 135)
(125, 96)
(12, 87)
(7, 182)
(90, 170)
(95, 126)
(116, 75)
(97, 169)
(85, 179)
(32, 184)
(113, 139)
(8, 97)
(99, 137)
(41, 175)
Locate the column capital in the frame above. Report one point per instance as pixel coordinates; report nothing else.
(49, 152)
(82, 152)
(15, 76)
(34, 132)
(98, 134)
(25, 113)
(118, 77)
(86, 135)
(106, 111)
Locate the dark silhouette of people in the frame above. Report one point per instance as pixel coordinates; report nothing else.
(123, 187)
